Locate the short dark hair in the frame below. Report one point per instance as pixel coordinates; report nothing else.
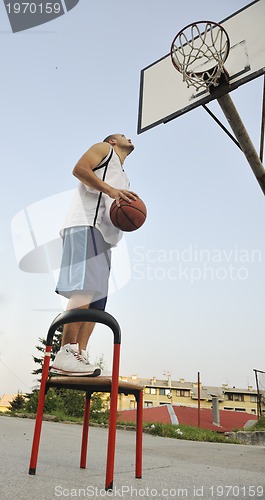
(109, 137)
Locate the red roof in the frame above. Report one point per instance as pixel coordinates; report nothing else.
(151, 414)
(229, 420)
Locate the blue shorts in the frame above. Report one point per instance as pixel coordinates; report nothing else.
(85, 266)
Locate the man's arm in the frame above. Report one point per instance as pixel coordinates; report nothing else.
(84, 172)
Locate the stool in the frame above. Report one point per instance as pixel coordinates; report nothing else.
(90, 385)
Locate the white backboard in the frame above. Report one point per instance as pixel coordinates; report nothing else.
(163, 94)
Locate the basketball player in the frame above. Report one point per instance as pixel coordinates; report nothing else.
(88, 235)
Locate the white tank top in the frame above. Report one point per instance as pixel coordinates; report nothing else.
(90, 207)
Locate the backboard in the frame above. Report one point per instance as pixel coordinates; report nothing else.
(163, 94)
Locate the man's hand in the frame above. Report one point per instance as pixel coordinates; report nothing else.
(122, 194)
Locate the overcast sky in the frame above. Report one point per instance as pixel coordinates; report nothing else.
(188, 287)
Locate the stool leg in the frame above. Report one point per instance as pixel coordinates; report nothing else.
(113, 418)
(83, 456)
(39, 415)
(139, 436)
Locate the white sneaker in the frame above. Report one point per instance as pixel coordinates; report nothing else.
(104, 373)
(68, 361)
(84, 355)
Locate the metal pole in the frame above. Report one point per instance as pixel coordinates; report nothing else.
(199, 401)
(258, 395)
(243, 138)
(216, 412)
(262, 128)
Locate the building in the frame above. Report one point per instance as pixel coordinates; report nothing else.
(159, 392)
(5, 401)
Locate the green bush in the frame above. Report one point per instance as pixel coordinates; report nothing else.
(73, 402)
(66, 403)
(53, 402)
(99, 408)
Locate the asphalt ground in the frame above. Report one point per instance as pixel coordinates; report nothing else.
(172, 468)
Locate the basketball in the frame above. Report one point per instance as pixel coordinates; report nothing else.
(128, 216)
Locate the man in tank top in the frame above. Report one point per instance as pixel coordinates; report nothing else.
(88, 235)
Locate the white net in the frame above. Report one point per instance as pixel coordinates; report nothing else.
(199, 52)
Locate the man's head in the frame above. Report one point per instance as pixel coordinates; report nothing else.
(120, 142)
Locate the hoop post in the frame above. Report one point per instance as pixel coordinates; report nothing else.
(243, 138)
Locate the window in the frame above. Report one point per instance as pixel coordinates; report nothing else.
(148, 404)
(253, 398)
(164, 392)
(150, 390)
(238, 397)
(234, 397)
(182, 393)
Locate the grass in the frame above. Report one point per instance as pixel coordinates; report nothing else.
(60, 416)
(183, 432)
(189, 433)
(56, 416)
(259, 426)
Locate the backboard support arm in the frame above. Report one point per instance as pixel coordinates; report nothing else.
(262, 124)
(221, 125)
(243, 138)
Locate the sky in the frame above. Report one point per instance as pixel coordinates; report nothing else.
(188, 287)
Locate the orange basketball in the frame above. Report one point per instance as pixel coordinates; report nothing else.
(128, 216)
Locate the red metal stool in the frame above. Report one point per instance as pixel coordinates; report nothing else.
(90, 385)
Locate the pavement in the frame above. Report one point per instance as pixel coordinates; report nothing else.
(172, 468)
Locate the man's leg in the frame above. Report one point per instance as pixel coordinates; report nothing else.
(70, 360)
(78, 333)
(84, 246)
(84, 333)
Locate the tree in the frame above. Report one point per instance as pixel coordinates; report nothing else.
(99, 411)
(53, 402)
(56, 344)
(73, 402)
(18, 403)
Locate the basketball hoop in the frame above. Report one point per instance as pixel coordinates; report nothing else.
(199, 52)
